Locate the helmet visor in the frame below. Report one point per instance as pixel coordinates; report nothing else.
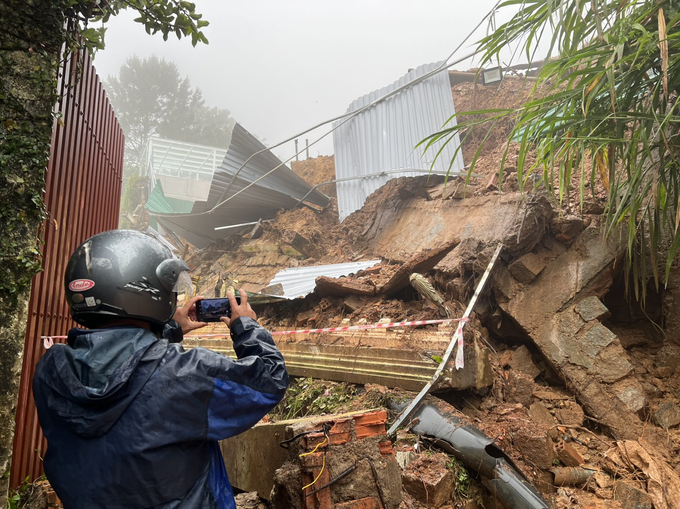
(184, 285)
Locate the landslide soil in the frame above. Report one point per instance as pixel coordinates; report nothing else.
(549, 409)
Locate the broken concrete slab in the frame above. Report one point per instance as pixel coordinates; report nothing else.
(587, 355)
(252, 457)
(341, 287)
(387, 363)
(421, 262)
(519, 221)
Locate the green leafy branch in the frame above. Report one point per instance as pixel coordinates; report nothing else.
(603, 112)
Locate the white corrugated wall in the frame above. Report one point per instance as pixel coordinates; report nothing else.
(382, 139)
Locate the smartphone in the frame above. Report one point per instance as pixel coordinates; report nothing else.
(210, 310)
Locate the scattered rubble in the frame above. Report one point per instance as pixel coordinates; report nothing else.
(570, 393)
(573, 387)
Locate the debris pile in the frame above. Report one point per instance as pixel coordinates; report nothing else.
(568, 383)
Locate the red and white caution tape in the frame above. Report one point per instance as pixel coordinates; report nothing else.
(456, 340)
(48, 341)
(367, 326)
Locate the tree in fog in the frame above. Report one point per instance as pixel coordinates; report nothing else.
(151, 98)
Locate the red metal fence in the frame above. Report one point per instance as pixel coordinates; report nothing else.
(83, 186)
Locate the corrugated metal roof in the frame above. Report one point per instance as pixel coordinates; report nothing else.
(300, 281)
(383, 137)
(282, 189)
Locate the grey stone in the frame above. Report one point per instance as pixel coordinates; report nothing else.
(596, 338)
(668, 355)
(544, 310)
(631, 497)
(611, 365)
(667, 415)
(591, 308)
(630, 392)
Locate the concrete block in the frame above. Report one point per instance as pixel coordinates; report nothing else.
(252, 457)
(526, 268)
(428, 480)
(535, 446)
(522, 361)
(591, 308)
(519, 389)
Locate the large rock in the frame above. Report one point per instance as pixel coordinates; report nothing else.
(559, 310)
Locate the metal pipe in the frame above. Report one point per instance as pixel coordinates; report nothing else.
(479, 453)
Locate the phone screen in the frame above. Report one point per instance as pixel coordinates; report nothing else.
(210, 310)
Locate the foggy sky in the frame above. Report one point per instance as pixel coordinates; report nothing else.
(282, 67)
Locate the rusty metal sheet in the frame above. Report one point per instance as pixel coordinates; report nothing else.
(83, 185)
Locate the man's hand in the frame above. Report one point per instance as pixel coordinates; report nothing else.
(238, 310)
(186, 316)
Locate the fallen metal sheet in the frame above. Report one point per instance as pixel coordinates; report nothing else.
(230, 203)
(382, 138)
(479, 453)
(300, 281)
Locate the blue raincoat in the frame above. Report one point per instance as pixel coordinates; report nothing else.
(132, 421)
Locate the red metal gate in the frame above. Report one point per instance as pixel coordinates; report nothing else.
(83, 186)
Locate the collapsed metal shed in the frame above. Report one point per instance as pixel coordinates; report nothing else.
(241, 193)
(378, 144)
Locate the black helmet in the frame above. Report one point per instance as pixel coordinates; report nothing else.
(123, 274)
